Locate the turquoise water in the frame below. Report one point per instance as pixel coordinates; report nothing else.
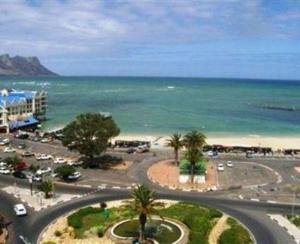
(166, 105)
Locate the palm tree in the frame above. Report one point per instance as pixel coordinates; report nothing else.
(176, 142)
(194, 139)
(193, 155)
(144, 204)
(194, 142)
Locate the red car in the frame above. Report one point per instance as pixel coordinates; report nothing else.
(21, 166)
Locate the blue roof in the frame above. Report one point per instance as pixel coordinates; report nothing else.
(22, 123)
(16, 96)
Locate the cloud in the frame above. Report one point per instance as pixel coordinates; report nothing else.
(59, 28)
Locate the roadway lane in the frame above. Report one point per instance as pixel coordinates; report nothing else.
(252, 215)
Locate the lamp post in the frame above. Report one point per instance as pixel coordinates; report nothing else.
(30, 181)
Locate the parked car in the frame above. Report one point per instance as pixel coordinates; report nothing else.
(4, 171)
(43, 157)
(19, 174)
(210, 153)
(37, 178)
(22, 146)
(9, 150)
(36, 139)
(142, 149)
(75, 176)
(3, 164)
(4, 142)
(74, 163)
(20, 209)
(60, 160)
(20, 166)
(44, 170)
(221, 167)
(131, 150)
(22, 136)
(54, 175)
(45, 140)
(27, 154)
(229, 164)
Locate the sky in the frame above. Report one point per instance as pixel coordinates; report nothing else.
(189, 38)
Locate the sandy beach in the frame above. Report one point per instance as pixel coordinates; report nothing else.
(275, 142)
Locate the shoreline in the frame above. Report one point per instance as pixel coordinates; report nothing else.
(275, 142)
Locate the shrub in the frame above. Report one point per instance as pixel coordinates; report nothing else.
(100, 231)
(57, 233)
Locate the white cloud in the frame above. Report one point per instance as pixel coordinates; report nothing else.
(52, 27)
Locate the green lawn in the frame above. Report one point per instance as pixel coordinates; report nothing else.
(236, 234)
(295, 219)
(198, 218)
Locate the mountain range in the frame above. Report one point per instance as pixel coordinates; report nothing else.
(23, 66)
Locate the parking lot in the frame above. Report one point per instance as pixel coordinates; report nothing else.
(117, 173)
(244, 174)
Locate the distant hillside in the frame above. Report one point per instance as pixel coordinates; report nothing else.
(27, 66)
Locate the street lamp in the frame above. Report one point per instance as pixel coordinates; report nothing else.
(30, 181)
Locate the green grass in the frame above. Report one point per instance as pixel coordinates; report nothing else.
(86, 218)
(236, 234)
(199, 219)
(295, 219)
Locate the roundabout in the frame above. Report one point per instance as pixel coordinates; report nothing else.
(253, 215)
(177, 222)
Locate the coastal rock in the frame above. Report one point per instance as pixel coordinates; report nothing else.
(23, 66)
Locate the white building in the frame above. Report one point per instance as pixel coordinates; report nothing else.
(20, 109)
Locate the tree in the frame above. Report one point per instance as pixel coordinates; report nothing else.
(176, 142)
(194, 139)
(144, 204)
(89, 133)
(13, 161)
(194, 142)
(193, 155)
(46, 187)
(65, 171)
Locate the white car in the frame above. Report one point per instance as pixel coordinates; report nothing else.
(42, 171)
(45, 140)
(43, 157)
(75, 176)
(60, 160)
(4, 142)
(229, 164)
(210, 153)
(9, 150)
(37, 178)
(220, 167)
(74, 163)
(20, 209)
(4, 171)
(2, 164)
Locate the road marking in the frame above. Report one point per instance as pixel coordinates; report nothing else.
(116, 187)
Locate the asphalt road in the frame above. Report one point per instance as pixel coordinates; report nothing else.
(252, 214)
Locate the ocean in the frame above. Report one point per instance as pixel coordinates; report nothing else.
(161, 106)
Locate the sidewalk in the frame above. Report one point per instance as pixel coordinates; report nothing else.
(287, 225)
(37, 200)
